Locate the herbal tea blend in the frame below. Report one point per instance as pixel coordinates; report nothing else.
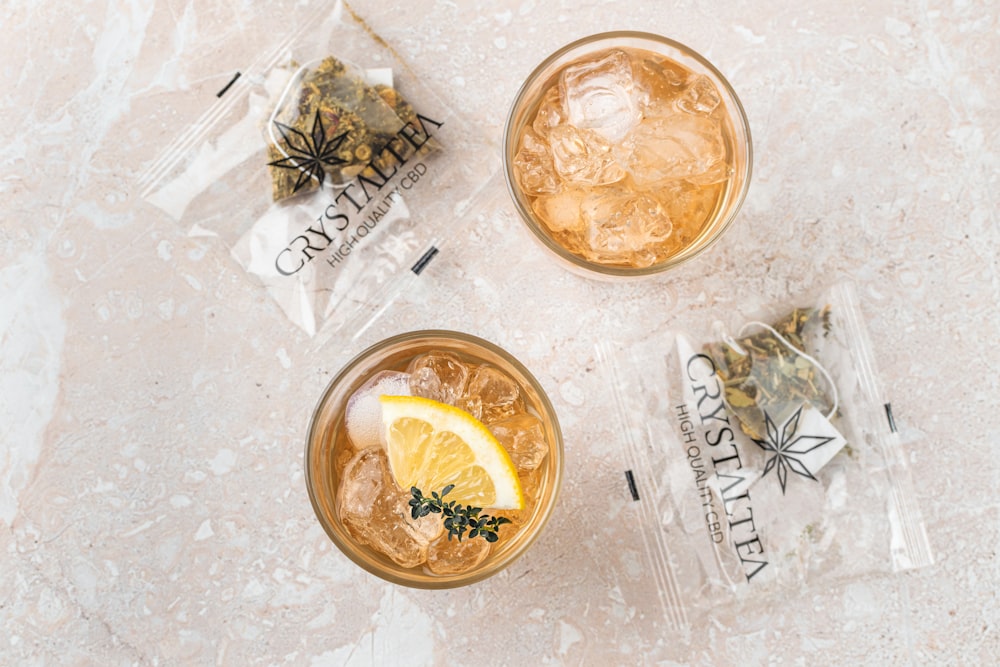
(327, 170)
(769, 370)
(763, 459)
(331, 126)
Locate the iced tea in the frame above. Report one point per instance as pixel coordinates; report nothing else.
(351, 484)
(627, 151)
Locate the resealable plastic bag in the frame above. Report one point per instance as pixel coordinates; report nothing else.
(760, 458)
(327, 169)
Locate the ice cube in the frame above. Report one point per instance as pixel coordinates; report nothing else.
(533, 166)
(678, 146)
(583, 157)
(523, 436)
(440, 376)
(659, 78)
(446, 556)
(491, 395)
(551, 112)
(362, 484)
(363, 417)
(423, 530)
(373, 509)
(699, 96)
(601, 95)
(561, 211)
(624, 221)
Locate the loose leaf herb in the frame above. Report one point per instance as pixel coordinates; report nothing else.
(765, 374)
(331, 127)
(457, 519)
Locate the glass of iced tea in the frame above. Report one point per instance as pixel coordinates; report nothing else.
(627, 154)
(433, 459)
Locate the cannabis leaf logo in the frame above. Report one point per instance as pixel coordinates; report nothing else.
(788, 446)
(309, 153)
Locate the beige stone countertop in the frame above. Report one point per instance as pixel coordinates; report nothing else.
(154, 399)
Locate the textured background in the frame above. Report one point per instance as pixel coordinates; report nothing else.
(153, 401)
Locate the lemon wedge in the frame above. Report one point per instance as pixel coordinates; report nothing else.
(432, 444)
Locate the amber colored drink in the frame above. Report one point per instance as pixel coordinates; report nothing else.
(627, 153)
(348, 477)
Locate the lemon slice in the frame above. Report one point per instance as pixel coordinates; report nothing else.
(431, 445)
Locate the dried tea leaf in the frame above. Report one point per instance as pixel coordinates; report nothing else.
(737, 398)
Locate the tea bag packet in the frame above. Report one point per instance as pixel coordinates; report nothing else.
(761, 458)
(328, 170)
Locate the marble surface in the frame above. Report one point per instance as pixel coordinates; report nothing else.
(154, 401)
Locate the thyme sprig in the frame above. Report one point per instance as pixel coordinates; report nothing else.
(457, 518)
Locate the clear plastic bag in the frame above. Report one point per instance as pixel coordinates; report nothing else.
(760, 459)
(329, 172)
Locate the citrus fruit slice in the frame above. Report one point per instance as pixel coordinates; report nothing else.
(431, 445)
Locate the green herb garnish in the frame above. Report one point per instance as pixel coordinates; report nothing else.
(457, 518)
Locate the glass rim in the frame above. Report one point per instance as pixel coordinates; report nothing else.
(611, 271)
(439, 581)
